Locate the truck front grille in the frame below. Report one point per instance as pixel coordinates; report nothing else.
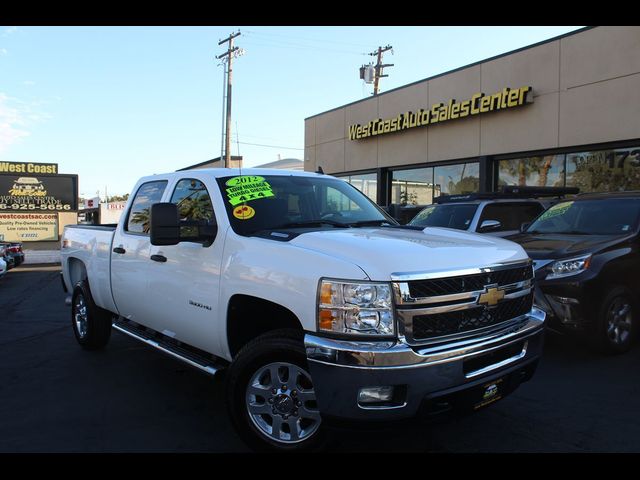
(440, 308)
(463, 321)
(468, 283)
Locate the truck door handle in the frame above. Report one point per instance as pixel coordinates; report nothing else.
(159, 258)
(119, 250)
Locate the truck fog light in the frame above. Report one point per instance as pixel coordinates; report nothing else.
(371, 395)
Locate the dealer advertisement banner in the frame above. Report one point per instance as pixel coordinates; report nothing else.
(28, 227)
(27, 192)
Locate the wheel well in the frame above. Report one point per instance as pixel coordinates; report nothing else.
(249, 317)
(77, 271)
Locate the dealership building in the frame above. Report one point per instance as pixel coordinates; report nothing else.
(563, 112)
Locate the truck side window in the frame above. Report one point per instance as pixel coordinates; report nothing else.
(511, 215)
(194, 204)
(148, 194)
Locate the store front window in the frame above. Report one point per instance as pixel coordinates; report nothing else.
(548, 171)
(367, 183)
(604, 170)
(413, 187)
(596, 171)
(457, 179)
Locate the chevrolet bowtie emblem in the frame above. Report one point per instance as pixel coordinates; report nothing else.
(491, 297)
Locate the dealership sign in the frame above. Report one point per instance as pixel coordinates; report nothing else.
(28, 167)
(28, 227)
(28, 192)
(479, 103)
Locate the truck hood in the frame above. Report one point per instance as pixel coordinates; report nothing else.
(382, 252)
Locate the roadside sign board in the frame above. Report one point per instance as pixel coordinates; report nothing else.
(38, 193)
(28, 227)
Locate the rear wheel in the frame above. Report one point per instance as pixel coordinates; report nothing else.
(91, 324)
(270, 395)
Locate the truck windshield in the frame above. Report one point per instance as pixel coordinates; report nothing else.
(616, 216)
(458, 216)
(269, 202)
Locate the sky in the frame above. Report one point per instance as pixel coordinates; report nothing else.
(113, 104)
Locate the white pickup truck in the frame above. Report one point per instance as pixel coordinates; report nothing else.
(318, 305)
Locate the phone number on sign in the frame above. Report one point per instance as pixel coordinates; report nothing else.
(32, 206)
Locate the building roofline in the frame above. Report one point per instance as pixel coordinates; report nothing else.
(549, 40)
(218, 159)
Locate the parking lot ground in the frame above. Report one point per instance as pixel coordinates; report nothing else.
(56, 397)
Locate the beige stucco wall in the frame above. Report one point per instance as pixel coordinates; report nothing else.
(586, 90)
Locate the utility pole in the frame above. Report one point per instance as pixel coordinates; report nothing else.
(230, 54)
(379, 66)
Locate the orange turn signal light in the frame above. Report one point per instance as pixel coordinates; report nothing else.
(325, 320)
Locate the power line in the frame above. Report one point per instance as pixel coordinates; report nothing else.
(289, 45)
(321, 40)
(270, 146)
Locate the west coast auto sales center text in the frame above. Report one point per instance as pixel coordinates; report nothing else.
(36, 202)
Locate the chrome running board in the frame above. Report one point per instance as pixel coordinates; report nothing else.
(207, 364)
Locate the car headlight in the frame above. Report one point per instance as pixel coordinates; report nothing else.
(355, 308)
(571, 266)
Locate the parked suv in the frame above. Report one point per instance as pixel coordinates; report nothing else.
(586, 260)
(500, 214)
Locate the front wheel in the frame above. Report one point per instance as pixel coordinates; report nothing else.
(270, 395)
(618, 321)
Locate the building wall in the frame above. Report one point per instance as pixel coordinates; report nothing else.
(586, 90)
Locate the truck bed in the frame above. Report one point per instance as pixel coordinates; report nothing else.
(86, 253)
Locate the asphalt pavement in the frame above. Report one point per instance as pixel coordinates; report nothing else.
(56, 397)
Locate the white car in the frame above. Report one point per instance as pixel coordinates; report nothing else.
(319, 304)
(3, 267)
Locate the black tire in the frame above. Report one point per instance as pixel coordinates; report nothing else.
(92, 327)
(617, 322)
(277, 347)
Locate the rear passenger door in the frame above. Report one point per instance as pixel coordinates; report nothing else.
(130, 255)
(510, 215)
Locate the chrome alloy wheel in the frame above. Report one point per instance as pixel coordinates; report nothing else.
(80, 316)
(619, 321)
(282, 403)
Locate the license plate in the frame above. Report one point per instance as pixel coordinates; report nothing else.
(489, 393)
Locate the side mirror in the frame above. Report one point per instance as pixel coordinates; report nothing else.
(489, 226)
(524, 226)
(207, 234)
(165, 224)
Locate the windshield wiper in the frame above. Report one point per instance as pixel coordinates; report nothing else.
(568, 232)
(309, 223)
(367, 223)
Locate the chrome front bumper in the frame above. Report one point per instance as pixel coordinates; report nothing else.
(341, 368)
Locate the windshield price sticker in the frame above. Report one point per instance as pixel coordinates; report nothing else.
(247, 188)
(556, 210)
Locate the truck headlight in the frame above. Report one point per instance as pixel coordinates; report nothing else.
(355, 308)
(571, 266)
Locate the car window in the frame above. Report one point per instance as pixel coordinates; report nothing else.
(259, 203)
(458, 216)
(139, 213)
(194, 204)
(616, 216)
(511, 215)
